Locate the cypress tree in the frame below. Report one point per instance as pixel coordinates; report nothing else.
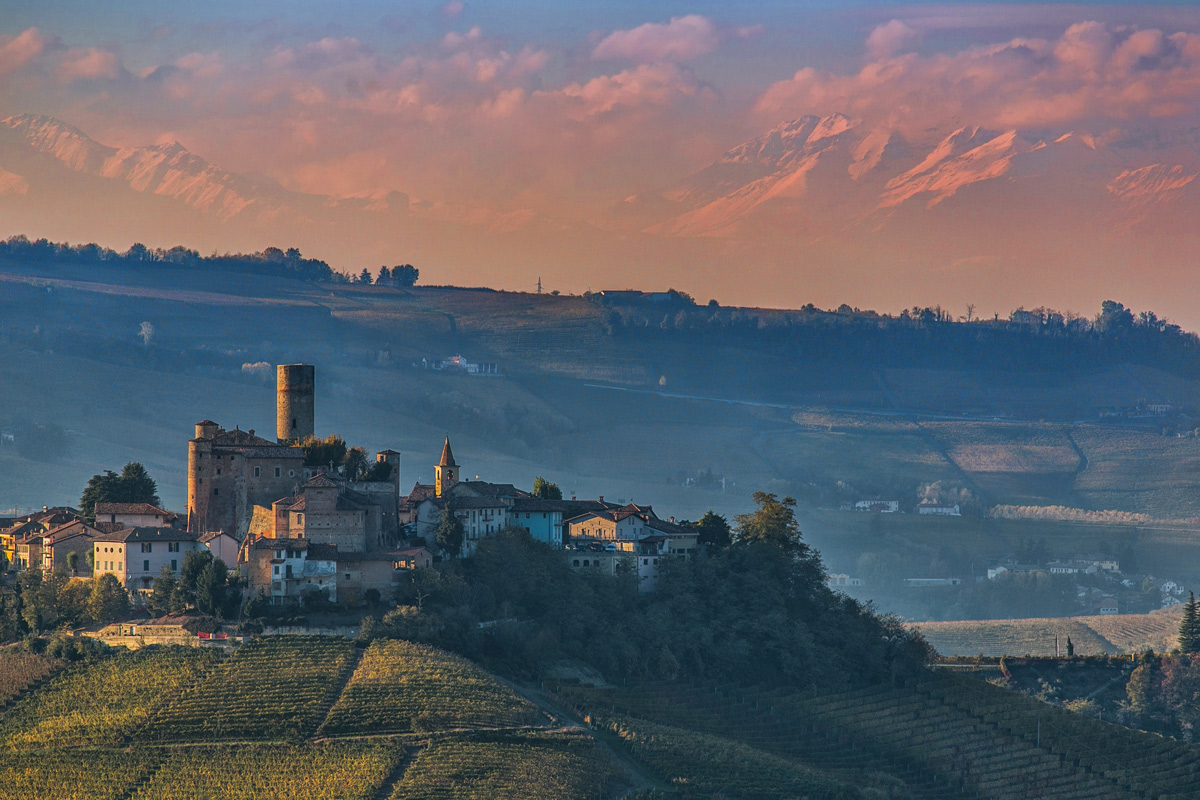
(1189, 626)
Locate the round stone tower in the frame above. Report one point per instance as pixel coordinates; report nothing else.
(295, 415)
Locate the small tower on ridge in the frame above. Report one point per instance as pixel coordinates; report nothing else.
(446, 472)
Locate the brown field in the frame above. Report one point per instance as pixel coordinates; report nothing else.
(1107, 635)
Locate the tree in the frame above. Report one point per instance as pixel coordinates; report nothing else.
(714, 532)
(545, 489)
(109, 599)
(356, 463)
(449, 532)
(1070, 648)
(210, 587)
(133, 485)
(405, 275)
(384, 278)
(194, 564)
(323, 452)
(164, 587)
(1189, 626)
(773, 523)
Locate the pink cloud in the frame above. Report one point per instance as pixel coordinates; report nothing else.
(681, 39)
(453, 9)
(1091, 73)
(891, 38)
(17, 51)
(89, 64)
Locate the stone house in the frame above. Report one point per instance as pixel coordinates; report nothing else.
(74, 537)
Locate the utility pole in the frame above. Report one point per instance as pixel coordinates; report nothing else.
(539, 284)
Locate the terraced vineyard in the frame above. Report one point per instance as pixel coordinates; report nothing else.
(1094, 635)
(713, 764)
(329, 771)
(20, 669)
(275, 687)
(546, 766)
(74, 774)
(102, 703)
(947, 737)
(400, 687)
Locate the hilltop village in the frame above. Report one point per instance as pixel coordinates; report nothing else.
(293, 530)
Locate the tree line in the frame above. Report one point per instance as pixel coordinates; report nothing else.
(751, 607)
(1041, 339)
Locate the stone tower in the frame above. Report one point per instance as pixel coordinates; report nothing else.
(446, 472)
(295, 414)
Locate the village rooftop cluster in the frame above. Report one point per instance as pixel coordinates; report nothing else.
(295, 531)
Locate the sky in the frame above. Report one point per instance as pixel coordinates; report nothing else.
(565, 110)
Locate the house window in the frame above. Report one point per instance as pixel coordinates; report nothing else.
(146, 565)
(276, 569)
(146, 547)
(174, 565)
(218, 470)
(576, 562)
(216, 492)
(278, 471)
(291, 473)
(172, 547)
(257, 471)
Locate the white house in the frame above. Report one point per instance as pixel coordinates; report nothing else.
(136, 556)
(938, 509)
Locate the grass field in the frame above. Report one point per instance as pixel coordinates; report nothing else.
(1098, 635)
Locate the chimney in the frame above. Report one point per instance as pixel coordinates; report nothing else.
(601, 498)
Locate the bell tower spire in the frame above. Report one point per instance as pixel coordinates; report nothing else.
(446, 471)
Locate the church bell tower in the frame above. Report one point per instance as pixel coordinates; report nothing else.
(446, 471)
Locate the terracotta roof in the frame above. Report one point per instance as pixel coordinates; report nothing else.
(538, 504)
(447, 455)
(109, 527)
(319, 481)
(148, 535)
(130, 508)
(208, 537)
(248, 444)
(468, 501)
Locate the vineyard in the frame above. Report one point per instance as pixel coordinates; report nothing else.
(401, 687)
(712, 764)
(275, 687)
(947, 737)
(74, 774)
(329, 771)
(1093, 635)
(19, 670)
(546, 766)
(102, 703)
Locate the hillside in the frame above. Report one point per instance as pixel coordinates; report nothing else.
(685, 419)
(319, 717)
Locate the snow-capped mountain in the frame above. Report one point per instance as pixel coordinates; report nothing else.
(167, 170)
(821, 176)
